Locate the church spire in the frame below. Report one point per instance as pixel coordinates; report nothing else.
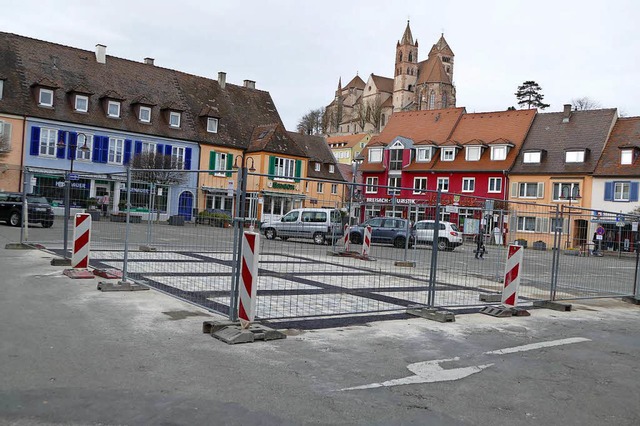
(407, 38)
(340, 83)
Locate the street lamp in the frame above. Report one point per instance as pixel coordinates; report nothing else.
(67, 180)
(354, 169)
(570, 193)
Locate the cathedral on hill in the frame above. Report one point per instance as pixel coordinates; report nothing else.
(360, 107)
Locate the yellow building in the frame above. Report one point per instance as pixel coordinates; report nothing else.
(11, 154)
(347, 147)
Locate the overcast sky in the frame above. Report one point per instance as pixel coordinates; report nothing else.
(297, 50)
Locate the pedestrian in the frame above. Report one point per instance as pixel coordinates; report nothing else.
(480, 249)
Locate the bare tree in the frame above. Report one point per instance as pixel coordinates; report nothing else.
(312, 122)
(159, 169)
(375, 113)
(584, 103)
(361, 112)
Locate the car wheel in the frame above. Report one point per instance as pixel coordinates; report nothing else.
(355, 238)
(15, 219)
(270, 233)
(443, 245)
(399, 242)
(318, 238)
(47, 224)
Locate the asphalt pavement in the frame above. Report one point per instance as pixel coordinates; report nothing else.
(71, 355)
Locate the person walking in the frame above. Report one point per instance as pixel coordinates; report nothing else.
(480, 249)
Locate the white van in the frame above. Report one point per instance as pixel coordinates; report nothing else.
(321, 225)
(449, 237)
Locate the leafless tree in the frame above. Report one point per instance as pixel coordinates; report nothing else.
(361, 112)
(375, 112)
(584, 103)
(312, 122)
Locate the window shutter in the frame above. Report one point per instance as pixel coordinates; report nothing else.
(514, 189)
(104, 149)
(95, 154)
(212, 161)
(633, 191)
(167, 150)
(272, 167)
(127, 151)
(34, 149)
(73, 144)
(608, 191)
(298, 170)
(187, 158)
(62, 137)
(229, 164)
(137, 148)
(540, 189)
(160, 148)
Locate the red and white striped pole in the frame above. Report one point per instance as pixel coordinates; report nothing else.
(346, 238)
(248, 278)
(366, 241)
(512, 274)
(81, 240)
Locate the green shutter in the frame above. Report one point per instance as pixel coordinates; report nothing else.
(298, 170)
(212, 161)
(229, 164)
(272, 167)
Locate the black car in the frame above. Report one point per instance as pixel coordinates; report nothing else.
(11, 209)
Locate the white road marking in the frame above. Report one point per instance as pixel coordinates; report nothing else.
(539, 345)
(432, 372)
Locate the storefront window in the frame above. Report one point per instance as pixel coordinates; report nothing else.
(141, 197)
(52, 187)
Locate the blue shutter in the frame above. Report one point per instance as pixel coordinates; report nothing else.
(160, 148)
(187, 158)
(104, 149)
(608, 191)
(127, 151)
(167, 150)
(34, 149)
(95, 154)
(633, 191)
(62, 136)
(73, 144)
(137, 148)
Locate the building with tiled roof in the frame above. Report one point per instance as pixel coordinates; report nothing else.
(346, 148)
(416, 85)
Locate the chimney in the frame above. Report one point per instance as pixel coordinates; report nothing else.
(101, 53)
(222, 79)
(566, 113)
(148, 61)
(250, 84)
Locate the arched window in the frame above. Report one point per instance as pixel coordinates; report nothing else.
(408, 70)
(400, 57)
(382, 120)
(410, 57)
(444, 100)
(410, 88)
(432, 100)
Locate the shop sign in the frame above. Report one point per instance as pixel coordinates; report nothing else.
(388, 200)
(277, 185)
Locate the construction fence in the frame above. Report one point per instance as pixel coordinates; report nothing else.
(180, 233)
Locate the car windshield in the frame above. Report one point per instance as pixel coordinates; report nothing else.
(36, 199)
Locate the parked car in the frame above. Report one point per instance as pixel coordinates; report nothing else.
(384, 230)
(321, 225)
(40, 210)
(449, 237)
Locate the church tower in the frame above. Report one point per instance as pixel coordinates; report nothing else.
(406, 71)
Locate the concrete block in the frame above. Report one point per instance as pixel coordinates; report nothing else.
(108, 273)
(57, 261)
(210, 327)
(82, 274)
(146, 248)
(432, 314)
(19, 246)
(490, 297)
(233, 335)
(405, 264)
(231, 332)
(121, 286)
(556, 306)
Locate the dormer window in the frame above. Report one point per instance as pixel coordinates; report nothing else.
(473, 153)
(626, 156)
(81, 103)
(113, 109)
(375, 155)
(174, 119)
(532, 157)
(317, 167)
(212, 125)
(144, 114)
(45, 97)
(448, 154)
(574, 156)
(423, 154)
(498, 153)
(332, 168)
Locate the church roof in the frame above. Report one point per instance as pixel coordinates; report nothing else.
(407, 37)
(442, 47)
(384, 84)
(432, 71)
(356, 82)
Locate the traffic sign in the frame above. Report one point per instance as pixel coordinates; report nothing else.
(600, 230)
(620, 224)
(73, 176)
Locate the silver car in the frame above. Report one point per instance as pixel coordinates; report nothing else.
(320, 225)
(449, 237)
